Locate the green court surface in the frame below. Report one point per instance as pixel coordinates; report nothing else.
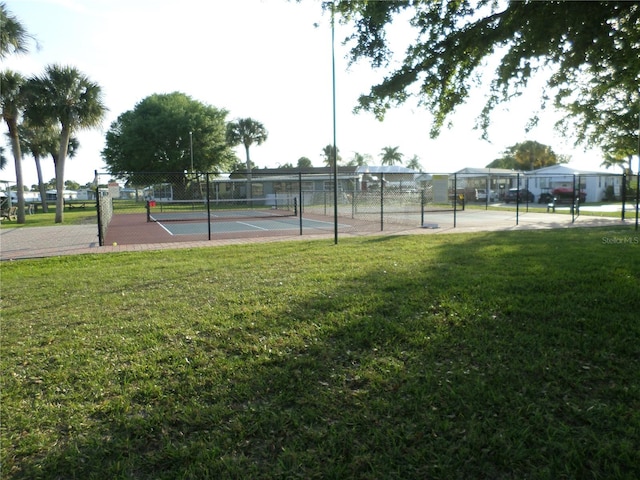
(248, 225)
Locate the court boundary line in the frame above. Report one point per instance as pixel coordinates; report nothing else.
(254, 226)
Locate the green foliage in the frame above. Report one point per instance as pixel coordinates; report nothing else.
(529, 155)
(435, 356)
(39, 140)
(328, 152)
(71, 185)
(590, 49)
(240, 166)
(246, 131)
(414, 163)
(304, 162)
(65, 96)
(14, 38)
(154, 137)
(391, 156)
(359, 160)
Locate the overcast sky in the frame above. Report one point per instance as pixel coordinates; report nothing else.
(265, 59)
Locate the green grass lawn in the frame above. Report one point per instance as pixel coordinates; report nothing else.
(501, 355)
(72, 217)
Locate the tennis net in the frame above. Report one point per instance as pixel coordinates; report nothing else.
(221, 209)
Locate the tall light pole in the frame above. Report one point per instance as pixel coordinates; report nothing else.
(335, 148)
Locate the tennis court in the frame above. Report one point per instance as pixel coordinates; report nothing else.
(164, 226)
(232, 216)
(285, 207)
(136, 228)
(249, 225)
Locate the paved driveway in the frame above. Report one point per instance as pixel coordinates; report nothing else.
(34, 242)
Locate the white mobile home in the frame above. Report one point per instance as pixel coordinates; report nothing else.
(597, 186)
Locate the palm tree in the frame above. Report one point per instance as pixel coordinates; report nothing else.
(39, 141)
(13, 39)
(11, 100)
(13, 36)
(246, 131)
(3, 159)
(66, 96)
(414, 163)
(391, 156)
(328, 152)
(359, 159)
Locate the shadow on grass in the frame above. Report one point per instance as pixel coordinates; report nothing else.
(493, 359)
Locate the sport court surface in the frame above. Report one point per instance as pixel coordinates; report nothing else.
(129, 229)
(257, 225)
(192, 219)
(136, 234)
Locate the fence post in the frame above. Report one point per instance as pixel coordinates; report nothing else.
(206, 176)
(518, 199)
(422, 207)
(455, 199)
(624, 193)
(573, 201)
(301, 202)
(488, 190)
(579, 195)
(100, 235)
(382, 202)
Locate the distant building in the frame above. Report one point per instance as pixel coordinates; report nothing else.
(596, 186)
(66, 195)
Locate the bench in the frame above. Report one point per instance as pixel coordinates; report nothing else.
(575, 207)
(36, 206)
(10, 214)
(71, 206)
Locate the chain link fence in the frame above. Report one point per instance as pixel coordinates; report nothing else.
(138, 208)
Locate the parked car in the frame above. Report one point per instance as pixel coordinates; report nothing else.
(564, 194)
(524, 194)
(481, 195)
(546, 198)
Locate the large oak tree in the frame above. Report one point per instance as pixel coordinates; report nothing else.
(159, 133)
(590, 52)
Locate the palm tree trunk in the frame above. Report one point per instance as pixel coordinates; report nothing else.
(62, 156)
(17, 155)
(41, 187)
